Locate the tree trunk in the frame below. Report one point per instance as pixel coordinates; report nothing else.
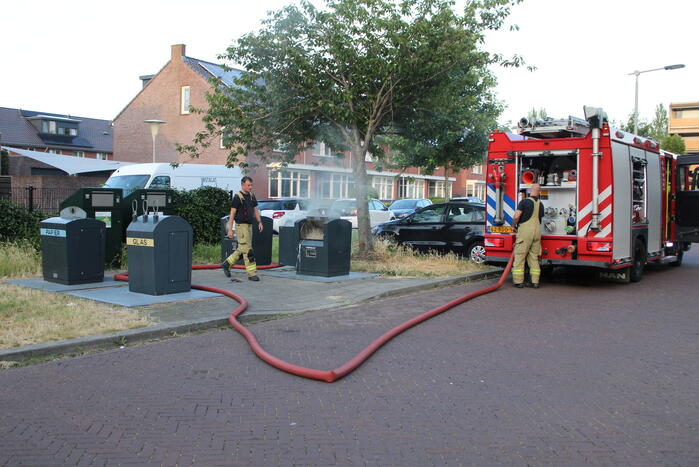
(360, 190)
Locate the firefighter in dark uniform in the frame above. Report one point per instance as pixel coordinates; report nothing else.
(527, 225)
(244, 211)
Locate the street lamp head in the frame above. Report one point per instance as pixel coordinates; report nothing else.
(674, 67)
(154, 125)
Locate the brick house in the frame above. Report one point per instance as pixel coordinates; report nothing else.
(53, 133)
(315, 172)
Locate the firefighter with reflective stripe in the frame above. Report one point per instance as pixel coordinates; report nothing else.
(244, 211)
(527, 224)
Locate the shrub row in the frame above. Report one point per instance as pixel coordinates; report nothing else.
(203, 208)
(18, 223)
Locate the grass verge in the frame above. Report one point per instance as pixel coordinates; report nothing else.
(32, 316)
(390, 259)
(19, 259)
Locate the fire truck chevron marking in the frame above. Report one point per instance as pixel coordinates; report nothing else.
(602, 197)
(509, 207)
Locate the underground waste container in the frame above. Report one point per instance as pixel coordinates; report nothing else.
(289, 243)
(261, 241)
(72, 250)
(102, 204)
(159, 200)
(325, 246)
(160, 255)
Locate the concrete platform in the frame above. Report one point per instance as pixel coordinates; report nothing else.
(292, 274)
(123, 297)
(40, 284)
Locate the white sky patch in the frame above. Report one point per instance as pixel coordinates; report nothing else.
(84, 57)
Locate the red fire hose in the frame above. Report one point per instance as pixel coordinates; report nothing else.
(329, 376)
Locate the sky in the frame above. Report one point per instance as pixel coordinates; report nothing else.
(84, 57)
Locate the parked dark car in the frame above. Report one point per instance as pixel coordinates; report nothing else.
(470, 199)
(453, 226)
(404, 207)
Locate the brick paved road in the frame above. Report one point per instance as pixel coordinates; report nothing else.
(575, 373)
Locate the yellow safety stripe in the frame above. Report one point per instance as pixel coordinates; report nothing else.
(250, 268)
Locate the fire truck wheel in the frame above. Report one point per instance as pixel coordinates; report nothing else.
(639, 261)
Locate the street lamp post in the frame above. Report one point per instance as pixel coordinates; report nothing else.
(154, 126)
(635, 107)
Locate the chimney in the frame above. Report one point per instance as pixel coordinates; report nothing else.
(177, 52)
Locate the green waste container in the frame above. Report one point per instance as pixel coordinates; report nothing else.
(103, 204)
(158, 199)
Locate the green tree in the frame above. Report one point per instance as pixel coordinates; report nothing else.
(673, 143)
(644, 128)
(656, 129)
(658, 126)
(537, 114)
(349, 73)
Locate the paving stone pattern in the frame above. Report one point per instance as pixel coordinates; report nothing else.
(575, 373)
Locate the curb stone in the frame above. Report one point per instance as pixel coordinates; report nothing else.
(150, 333)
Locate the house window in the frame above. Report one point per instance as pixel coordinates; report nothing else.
(477, 169)
(101, 156)
(48, 126)
(68, 131)
(333, 186)
(686, 113)
(288, 183)
(320, 149)
(411, 188)
(225, 138)
(79, 153)
(184, 100)
(475, 188)
(435, 189)
(54, 151)
(384, 186)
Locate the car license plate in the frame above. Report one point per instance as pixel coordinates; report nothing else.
(500, 229)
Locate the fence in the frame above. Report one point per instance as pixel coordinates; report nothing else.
(45, 200)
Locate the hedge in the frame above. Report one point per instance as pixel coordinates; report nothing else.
(18, 223)
(203, 208)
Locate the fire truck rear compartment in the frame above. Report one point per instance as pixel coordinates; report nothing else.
(557, 173)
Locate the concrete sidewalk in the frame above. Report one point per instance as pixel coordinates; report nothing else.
(269, 298)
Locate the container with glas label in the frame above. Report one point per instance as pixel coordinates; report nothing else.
(72, 250)
(160, 255)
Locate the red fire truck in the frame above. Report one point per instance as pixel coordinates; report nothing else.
(612, 200)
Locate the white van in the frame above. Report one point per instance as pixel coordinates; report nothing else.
(182, 177)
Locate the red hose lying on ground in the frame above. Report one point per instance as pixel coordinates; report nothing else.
(330, 376)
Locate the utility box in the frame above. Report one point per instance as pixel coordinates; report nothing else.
(102, 204)
(160, 255)
(159, 200)
(261, 241)
(72, 250)
(325, 246)
(289, 243)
